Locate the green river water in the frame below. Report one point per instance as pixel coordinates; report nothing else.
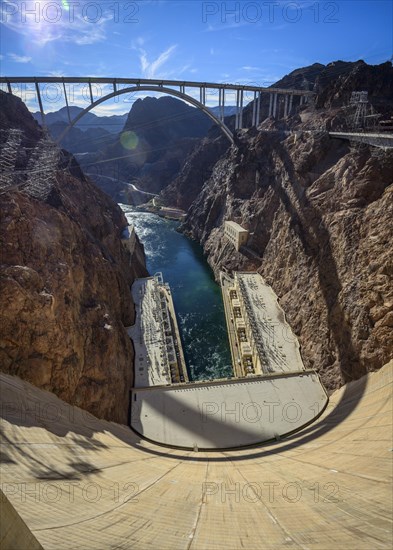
(197, 297)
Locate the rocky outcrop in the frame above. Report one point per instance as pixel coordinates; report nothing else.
(329, 108)
(318, 213)
(65, 278)
(196, 170)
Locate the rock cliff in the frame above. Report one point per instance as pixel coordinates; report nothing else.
(195, 171)
(65, 276)
(319, 213)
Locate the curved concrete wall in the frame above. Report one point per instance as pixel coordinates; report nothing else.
(79, 482)
(227, 414)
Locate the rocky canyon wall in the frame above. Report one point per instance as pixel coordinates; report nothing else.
(65, 278)
(319, 214)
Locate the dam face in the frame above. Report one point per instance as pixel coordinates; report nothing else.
(79, 482)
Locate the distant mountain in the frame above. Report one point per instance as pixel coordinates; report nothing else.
(333, 85)
(149, 152)
(228, 110)
(112, 124)
(159, 120)
(76, 141)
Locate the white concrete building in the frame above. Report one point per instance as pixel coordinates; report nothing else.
(236, 234)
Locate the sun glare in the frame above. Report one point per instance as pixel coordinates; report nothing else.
(129, 140)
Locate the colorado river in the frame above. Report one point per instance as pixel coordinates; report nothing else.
(196, 295)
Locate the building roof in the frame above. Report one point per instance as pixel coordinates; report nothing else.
(277, 345)
(227, 413)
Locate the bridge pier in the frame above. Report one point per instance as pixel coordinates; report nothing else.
(258, 108)
(37, 87)
(221, 103)
(254, 110)
(202, 94)
(275, 105)
(286, 107)
(239, 110)
(66, 100)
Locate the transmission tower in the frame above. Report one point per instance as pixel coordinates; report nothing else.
(9, 153)
(359, 100)
(41, 168)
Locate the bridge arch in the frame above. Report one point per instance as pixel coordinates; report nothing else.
(157, 89)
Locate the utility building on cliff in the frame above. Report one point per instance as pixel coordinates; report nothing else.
(236, 234)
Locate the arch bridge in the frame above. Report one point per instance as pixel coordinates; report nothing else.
(281, 101)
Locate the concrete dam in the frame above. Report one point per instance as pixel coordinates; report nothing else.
(73, 481)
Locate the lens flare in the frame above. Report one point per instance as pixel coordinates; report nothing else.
(66, 6)
(129, 140)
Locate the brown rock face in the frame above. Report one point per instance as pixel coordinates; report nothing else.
(65, 287)
(195, 171)
(319, 213)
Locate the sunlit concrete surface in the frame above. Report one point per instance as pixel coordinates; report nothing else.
(159, 358)
(82, 483)
(227, 413)
(261, 340)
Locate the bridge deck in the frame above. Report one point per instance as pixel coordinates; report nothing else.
(384, 141)
(146, 81)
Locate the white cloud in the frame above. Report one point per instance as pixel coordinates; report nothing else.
(224, 26)
(249, 68)
(19, 58)
(47, 21)
(150, 68)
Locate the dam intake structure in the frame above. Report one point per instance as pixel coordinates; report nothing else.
(269, 395)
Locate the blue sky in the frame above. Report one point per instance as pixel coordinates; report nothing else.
(223, 41)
